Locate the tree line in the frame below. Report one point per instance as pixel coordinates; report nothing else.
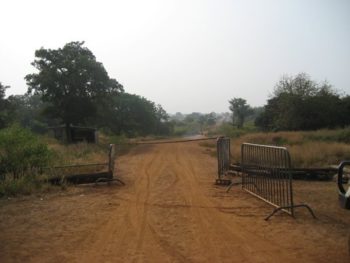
(72, 87)
(297, 103)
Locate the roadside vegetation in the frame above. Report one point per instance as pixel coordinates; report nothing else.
(307, 148)
(22, 158)
(26, 160)
(70, 87)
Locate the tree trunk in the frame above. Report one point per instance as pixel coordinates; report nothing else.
(240, 122)
(68, 133)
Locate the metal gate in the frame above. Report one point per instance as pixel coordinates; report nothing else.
(223, 154)
(267, 175)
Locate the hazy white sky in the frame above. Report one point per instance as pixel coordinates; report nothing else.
(187, 55)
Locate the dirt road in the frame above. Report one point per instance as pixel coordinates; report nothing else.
(170, 211)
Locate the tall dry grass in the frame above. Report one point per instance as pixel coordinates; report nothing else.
(80, 153)
(319, 154)
(86, 153)
(321, 148)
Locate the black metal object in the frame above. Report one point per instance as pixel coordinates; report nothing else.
(223, 157)
(344, 195)
(75, 134)
(223, 154)
(267, 175)
(72, 173)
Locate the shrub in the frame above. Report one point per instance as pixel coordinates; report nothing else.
(226, 129)
(21, 152)
(25, 185)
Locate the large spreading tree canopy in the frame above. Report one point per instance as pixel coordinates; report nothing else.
(134, 115)
(72, 82)
(299, 103)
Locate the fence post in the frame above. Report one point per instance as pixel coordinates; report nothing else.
(111, 159)
(223, 157)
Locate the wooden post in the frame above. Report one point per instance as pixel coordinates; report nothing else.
(111, 160)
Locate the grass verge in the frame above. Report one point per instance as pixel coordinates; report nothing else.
(321, 148)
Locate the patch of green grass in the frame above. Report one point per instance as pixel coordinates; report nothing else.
(227, 130)
(30, 180)
(21, 152)
(25, 185)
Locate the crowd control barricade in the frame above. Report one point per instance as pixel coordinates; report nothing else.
(266, 174)
(223, 157)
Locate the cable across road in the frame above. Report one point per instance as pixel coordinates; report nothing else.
(164, 142)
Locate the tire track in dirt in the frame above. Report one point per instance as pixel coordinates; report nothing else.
(167, 247)
(144, 186)
(206, 228)
(169, 211)
(215, 229)
(172, 179)
(204, 232)
(144, 215)
(128, 226)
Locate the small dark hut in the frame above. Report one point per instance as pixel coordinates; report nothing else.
(76, 134)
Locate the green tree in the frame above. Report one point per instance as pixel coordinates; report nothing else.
(163, 126)
(299, 85)
(72, 82)
(28, 110)
(132, 115)
(5, 107)
(162, 115)
(240, 110)
(206, 120)
(21, 152)
(2, 92)
(299, 103)
(210, 118)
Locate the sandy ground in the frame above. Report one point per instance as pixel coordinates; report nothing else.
(170, 211)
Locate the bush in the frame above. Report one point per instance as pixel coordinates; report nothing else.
(227, 130)
(21, 153)
(25, 185)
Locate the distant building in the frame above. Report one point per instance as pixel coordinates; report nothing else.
(76, 133)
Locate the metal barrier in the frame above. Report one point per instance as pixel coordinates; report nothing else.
(223, 153)
(223, 156)
(85, 173)
(267, 175)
